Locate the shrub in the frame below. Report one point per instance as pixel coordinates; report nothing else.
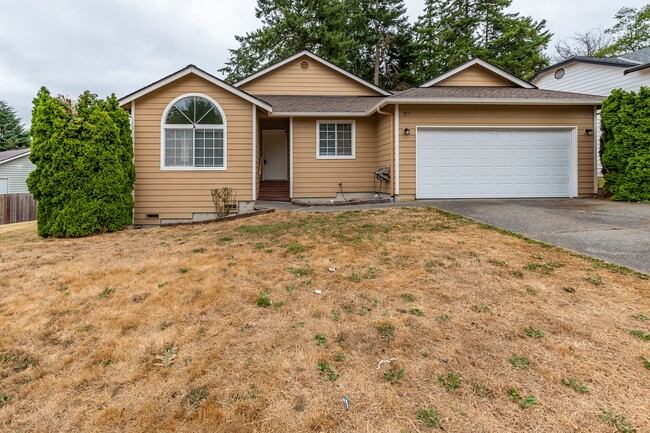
(626, 145)
(84, 174)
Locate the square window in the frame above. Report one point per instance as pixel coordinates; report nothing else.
(336, 139)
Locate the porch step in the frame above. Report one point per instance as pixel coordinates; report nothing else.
(274, 190)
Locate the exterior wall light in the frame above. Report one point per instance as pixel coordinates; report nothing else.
(407, 131)
(589, 131)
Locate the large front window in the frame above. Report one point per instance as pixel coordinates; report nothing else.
(194, 135)
(335, 140)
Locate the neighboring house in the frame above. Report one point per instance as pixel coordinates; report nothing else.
(15, 166)
(596, 75)
(307, 130)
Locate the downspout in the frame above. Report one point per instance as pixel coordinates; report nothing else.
(392, 154)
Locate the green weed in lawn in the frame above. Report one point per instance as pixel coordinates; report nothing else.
(295, 248)
(263, 301)
(198, 250)
(183, 270)
(443, 318)
(320, 340)
(642, 335)
(298, 325)
(300, 272)
(86, 328)
(326, 369)
(394, 376)
(519, 361)
(481, 308)
(4, 398)
(517, 274)
(450, 381)
(196, 396)
(646, 362)
(534, 332)
(339, 357)
(416, 312)
(106, 292)
(429, 417)
(386, 330)
(569, 289)
(594, 279)
(572, 383)
(164, 325)
(617, 422)
(641, 316)
(544, 268)
(530, 290)
(522, 402)
(408, 297)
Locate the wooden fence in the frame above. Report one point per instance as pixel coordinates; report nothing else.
(16, 208)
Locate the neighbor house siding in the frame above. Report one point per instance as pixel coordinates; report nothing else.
(476, 76)
(318, 79)
(459, 115)
(593, 79)
(17, 172)
(178, 194)
(319, 178)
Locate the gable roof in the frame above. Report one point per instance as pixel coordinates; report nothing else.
(317, 59)
(191, 69)
(487, 65)
(616, 62)
(10, 155)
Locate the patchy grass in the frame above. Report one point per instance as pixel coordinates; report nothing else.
(173, 351)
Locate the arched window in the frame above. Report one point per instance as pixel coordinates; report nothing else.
(194, 134)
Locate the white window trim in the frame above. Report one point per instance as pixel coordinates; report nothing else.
(223, 127)
(354, 139)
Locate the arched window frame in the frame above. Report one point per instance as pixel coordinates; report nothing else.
(164, 126)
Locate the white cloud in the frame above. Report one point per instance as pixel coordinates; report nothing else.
(121, 45)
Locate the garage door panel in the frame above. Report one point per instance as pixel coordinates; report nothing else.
(466, 163)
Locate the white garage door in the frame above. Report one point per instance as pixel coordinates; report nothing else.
(499, 163)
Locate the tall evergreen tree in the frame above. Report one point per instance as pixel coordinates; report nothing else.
(84, 173)
(348, 33)
(450, 32)
(12, 133)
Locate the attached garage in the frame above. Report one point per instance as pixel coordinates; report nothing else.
(491, 162)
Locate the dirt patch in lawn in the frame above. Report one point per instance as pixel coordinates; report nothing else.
(220, 328)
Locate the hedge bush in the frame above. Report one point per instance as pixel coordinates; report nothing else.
(84, 173)
(625, 118)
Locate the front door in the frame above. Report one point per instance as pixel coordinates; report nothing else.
(274, 155)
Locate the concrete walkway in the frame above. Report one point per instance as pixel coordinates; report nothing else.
(612, 231)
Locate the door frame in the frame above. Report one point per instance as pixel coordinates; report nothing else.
(286, 154)
(573, 148)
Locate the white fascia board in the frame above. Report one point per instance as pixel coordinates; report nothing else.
(196, 71)
(486, 65)
(318, 59)
(15, 157)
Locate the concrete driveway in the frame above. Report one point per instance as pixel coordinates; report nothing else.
(612, 231)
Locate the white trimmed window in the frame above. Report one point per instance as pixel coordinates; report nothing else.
(335, 140)
(194, 135)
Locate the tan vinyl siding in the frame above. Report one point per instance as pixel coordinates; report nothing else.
(318, 79)
(320, 177)
(16, 172)
(178, 194)
(581, 117)
(385, 145)
(476, 76)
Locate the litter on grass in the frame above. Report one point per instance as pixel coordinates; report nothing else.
(385, 361)
(318, 292)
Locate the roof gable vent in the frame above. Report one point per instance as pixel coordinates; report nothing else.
(304, 65)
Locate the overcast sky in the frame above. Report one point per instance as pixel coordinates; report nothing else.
(121, 45)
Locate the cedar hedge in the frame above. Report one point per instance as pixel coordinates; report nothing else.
(625, 156)
(84, 173)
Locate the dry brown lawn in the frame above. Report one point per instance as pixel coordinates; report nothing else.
(160, 330)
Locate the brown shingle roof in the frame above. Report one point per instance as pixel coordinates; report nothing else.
(321, 104)
(10, 154)
(505, 93)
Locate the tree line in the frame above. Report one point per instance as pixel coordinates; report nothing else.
(374, 40)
